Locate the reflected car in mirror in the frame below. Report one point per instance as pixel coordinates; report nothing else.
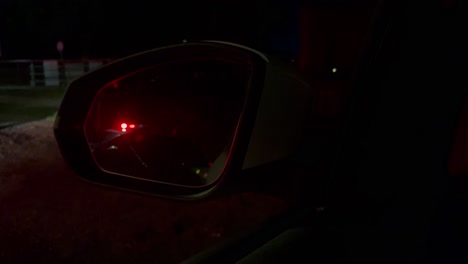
(178, 121)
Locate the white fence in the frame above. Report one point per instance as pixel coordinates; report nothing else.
(37, 73)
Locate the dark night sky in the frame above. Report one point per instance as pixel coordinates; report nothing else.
(93, 28)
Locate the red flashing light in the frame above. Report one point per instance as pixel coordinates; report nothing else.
(132, 126)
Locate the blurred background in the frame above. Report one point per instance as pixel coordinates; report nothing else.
(45, 44)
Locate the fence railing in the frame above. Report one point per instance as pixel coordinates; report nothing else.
(38, 73)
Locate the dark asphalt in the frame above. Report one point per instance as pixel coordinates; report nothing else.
(47, 214)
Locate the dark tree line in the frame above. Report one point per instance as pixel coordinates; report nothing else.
(93, 28)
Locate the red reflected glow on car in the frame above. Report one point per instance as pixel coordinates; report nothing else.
(125, 127)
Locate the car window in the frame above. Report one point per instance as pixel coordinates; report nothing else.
(48, 214)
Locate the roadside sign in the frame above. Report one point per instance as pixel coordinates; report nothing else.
(60, 46)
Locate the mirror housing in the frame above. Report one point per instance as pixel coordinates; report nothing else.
(269, 127)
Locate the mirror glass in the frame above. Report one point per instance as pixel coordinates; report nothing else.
(172, 123)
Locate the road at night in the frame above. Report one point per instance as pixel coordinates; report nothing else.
(49, 214)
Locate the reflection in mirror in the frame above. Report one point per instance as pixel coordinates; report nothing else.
(170, 123)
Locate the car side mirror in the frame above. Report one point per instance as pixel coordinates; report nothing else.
(179, 121)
